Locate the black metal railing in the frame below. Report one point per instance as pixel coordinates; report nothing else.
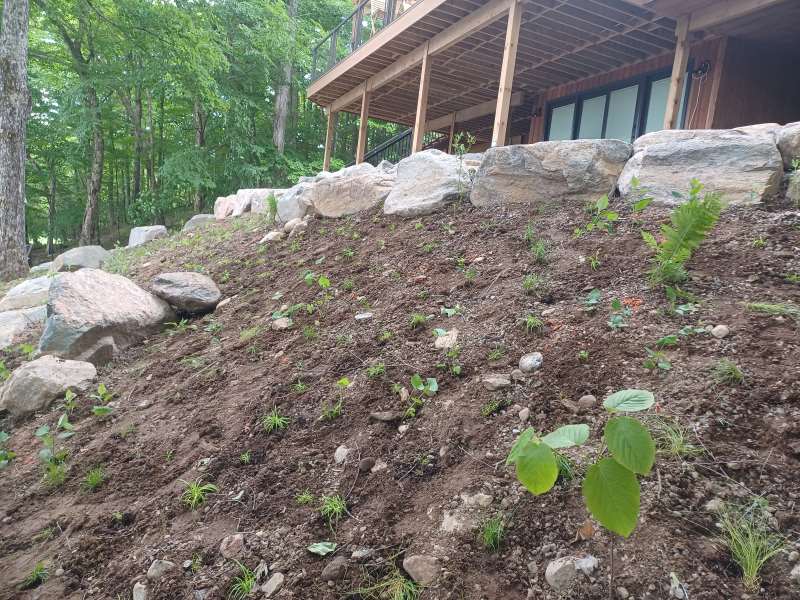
(398, 147)
(368, 18)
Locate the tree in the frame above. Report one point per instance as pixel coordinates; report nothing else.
(282, 100)
(15, 103)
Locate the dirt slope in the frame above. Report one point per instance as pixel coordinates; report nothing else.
(188, 405)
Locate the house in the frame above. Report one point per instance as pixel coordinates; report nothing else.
(522, 71)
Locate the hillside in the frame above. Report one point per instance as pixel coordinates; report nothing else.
(188, 405)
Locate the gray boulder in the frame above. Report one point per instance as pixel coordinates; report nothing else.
(29, 293)
(14, 323)
(577, 171)
(744, 167)
(788, 139)
(92, 315)
(142, 235)
(259, 198)
(350, 190)
(188, 292)
(422, 568)
(295, 203)
(426, 182)
(41, 268)
(82, 257)
(231, 206)
(36, 384)
(198, 221)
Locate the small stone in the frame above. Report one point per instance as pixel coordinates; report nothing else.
(423, 569)
(232, 546)
(361, 553)
(291, 224)
(794, 575)
(385, 416)
(560, 574)
(139, 591)
(622, 593)
(495, 382)
(159, 568)
(531, 362)
(59, 572)
(714, 505)
(365, 316)
(794, 556)
(272, 236)
(447, 340)
(366, 464)
(335, 569)
(298, 229)
(281, 323)
(404, 395)
(272, 585)
(587, 402)
(341, 454)
(720, 331)
(403, 428)
(524, 415)
(224, 301)
(479, 499)
(587, 564)
(517, 375)
(678, 590)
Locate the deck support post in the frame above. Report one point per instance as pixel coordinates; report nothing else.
(452, 133)
(679, 65)
(333, 117)
(500, 131)
(361, 148)
(422, 101)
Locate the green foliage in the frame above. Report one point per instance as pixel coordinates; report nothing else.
(492, 533)
(376, 370)
(726, 371)
(619, 315)
(303, 498)
(94, 479)
(248, 333)
(656, 359)
(592, 300)
(195, 492)
(6, 455)
(331, 411)
(332, 509)
(690, 223)
(243, 584)
(273, 421)
(583, 356)
(672, 438)
(785, 309)
(417, 319)
(246, 457)
(36, 577)
(182, 326)
(532, 323)
(600, 218)
(4, 371)
(496, 353)
(534, 284)
(393, 586)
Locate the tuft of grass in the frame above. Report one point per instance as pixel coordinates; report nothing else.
(533, 284)
(672, 438)
(750, 539)
(243, 584)
(304, 498)
(384, 336)
(375, 371)
(55, 474)
(332, 509)
(784, 309)
(726, 371)
(493, 532)
(274, 421)
(540, 252)
(245, 335)
(416, 319)
(331, 411)
(299, 387)
(310, 333)
(246, 457)
(392, 587)
(532, 323)
(194, 493)
(496, 353)
(94, 479)
(36, 577)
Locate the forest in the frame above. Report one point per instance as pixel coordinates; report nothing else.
(144, 111)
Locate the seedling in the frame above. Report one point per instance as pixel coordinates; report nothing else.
(273, 421)
(785, 309)
(195, 492)
(583, 356)
(36, 577)
(393, 586)
(418, 225)
(4, 372)
(182, 326)
(672, 438)
(592, 301)
(348, 285)
(332, 509)
(726, 371)
(417, 319)
(540, 252)
(243, 584)
(70, 403)
(492, 406)
(248, 333)
(331, 411)
(303, 498)
(27, 350)
(533, 323)
(639, 195)
(452, 312)
(94, 479)
(619, 315)
(6, 455)
(246, 457)
(760, 243)
(348, 253)
(299, 387)
(533, 284)
(102, 395)
(310, 333)
(656, 359)
(470, 275)
(493, 532)
(423, 388)
(594, 260)
(375, 371)
(496, 353)
(54, 460)
(601, 218)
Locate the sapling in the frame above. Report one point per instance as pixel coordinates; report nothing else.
(422, 388)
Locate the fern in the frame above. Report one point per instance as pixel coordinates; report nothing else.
(689, 225)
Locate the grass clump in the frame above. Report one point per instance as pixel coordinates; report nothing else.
(36, 577)
(416, 319)
(493, 532)
(304, 498)
(375, 371)
(332, 509)
(726, 371)
(672, 438)
(393, 586)
(243, 584)
(94, 479)
(274, 421)
(195, 492)
(533, 324)
(533, 284)
(784, 309)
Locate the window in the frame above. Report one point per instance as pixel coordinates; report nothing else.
(623, 111)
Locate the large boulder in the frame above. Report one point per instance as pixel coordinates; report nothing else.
(41, 268)
(35, 385)
(82, 257)
(295, 203)
(198, 221)
(91, 315)
(788, 139)
(29, 293)
(142, 235)
(745, 167)
(577, 171)
(231, 206)
(188, 292)
(14, 323)
(426, 182)
(259, 198)
(351, 190)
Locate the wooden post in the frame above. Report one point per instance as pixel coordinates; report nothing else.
(675, 96)
(500, 130)
(329, 133)
(362, 126)
(452, 133)
(422, 101)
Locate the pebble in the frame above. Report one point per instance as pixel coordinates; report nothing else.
(517, 375)
(561, 573)
(365, 316)
(622, 593)
(341, 454)
(720, 331)
(281, 323)
(587, 402)
(232, 546)
(386, 416)
(159, 568)
(272, 236)
(479, 499)
(794, 556)
(495, 382)
(714, 505)
(361, 553)
(524, 415)
(794, 575)
(139, 591)
(272, 585)
(366, 465)
(422, 568)
(335, 569)
(59, 572)
(587, 564)
(379, 466)
(530, 362)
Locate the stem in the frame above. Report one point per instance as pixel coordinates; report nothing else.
(611, 572)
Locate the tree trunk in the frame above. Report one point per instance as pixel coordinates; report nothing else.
(96, 173)
(51, 207)
(15, 106)
(282, 99)
(200, 142)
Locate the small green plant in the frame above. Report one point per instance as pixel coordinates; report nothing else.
(248, 333)
(45, 535)
(417, 319)
(213, 327)
(54, 460)
(103, 395)
(594, 260)
(299, 387)
(70, 401)
(6, 455)
(533, 324)
(36, 577)
(28, 351)
(470, 275)
(656, 359)
(331, 411)
(94, 479)
(4, 371)
(496, 353)
(583, 356)
(760, 242)
(727, 372)
(393, 586)
(348, 285)
(376, 370)
(785, 309)
(600, 218)
(493, 532)
(452, 311)
(620, 314)
(747, 534)
(492, 406)
(243, 584)
(246, 457)
(418, 225)
(592, 301)
(422, 388)
(533, 284)
(332, 509)
(272, 209)
(182, 326)
(384, 336)
(273, 421)
(348, 253)
(304, 498)
(671, 438)
(540, 251)
(310, 333)
(195, 492)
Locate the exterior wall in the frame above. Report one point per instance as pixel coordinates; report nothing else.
(700, 95)
(759, 85)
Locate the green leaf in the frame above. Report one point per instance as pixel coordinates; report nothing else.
(3, 437)
(63, 423)
(42, 431)
(523, 440)
(642, 204)
(431, 386)
(602, 203)
(567, 436)
(322, 548)
(612, 496)
(101, 411)
(438, 332)
(537, 468)
(629, 401)
(324, 282)
(416, 382)
(630, 444)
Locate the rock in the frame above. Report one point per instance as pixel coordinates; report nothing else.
(341, 454)
(295, 203)
(714, 505)
(744, 168)
(365, 316)
(623, 593)
(794, 556)
(524, 415)
(142, 235)
(577, 171)
(426, 182)
(272, 585)
(231, 206)
(159, 568)
(495, 382)
(188, 292)
(517, 375)
(587, 564)
(423, 569)
(447, 340)
(335, 569)
(28, 294)
(788, 139)
(380, 465)
(720, 331)
(292, 224)
(479, 499)
(770, 130)
(232, 546)
(198, 222)
(139, 591)
(561, 574)
(41, 268)
(587, 402)
(82, 257)
(366, 464)
(298, 229)
(794, 574)
(350, 190)
(93, 314)
(677, 589)
(36, 384)
(386, 416)
(272, 236)
(259, 198)
(14, 323)
(530, 362)
(281, 323)
(362, 553)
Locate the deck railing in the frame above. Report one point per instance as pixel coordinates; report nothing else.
(398, 147)
(368, 18)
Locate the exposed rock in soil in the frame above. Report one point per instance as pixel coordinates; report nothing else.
(82, 257)
(142, 235)
(426, 182)
(198, 222)
(188, 292)
(28, 294)
(422, 568)
(15, 323)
